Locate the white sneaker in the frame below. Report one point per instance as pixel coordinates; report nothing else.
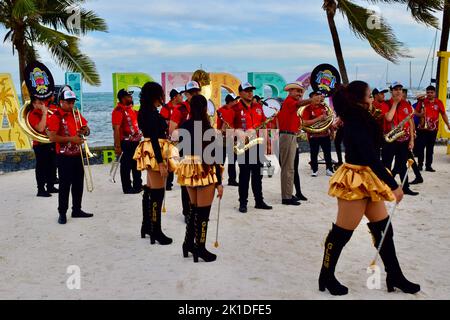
(329, 172)
(314, 174)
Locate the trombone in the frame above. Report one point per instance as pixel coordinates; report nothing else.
(85, 162)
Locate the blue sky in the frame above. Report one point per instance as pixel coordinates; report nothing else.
(289, 37)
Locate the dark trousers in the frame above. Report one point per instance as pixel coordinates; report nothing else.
(169, 181)
(400, 151)
(425, 140)
(127, 164)
(71, 175)
(414, 165)
(325, 144)
(387, 154)
(231, 163)
(338, 143)
(298, 189)
(45, 165)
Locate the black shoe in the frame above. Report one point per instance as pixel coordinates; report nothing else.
(138, 189)
(62, 218)
(52, 190)
(417, 180)
(233, 183)
(56, 181)
(43, 193)
(430, 169)
(395, 277)
(132, 191)
(290, 202)
(301, 197)
(81, 214)
(262, 205)
(410, 192)
(243, 208)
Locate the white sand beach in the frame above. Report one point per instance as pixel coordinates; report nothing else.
(262, 254)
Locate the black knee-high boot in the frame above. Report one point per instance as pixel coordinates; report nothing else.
(145, 228)
(188, 244)
(201, 217)
(156, 234)
(395, 277)
(336, 240)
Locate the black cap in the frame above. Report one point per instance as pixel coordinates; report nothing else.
(123, 93)
(230, 98)
(431, 88)
(313, 93)
(173, 93)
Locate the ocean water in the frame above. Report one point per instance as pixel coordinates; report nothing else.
(97, 110)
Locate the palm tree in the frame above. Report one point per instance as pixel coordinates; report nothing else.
(380, 37)
(49, 23)
(444, 38)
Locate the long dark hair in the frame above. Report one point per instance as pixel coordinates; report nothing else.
(199, 111)
(151, 93)
(348, 97)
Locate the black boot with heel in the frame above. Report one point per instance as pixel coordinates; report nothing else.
(395, 277)
(188, 244)
(335, 242)
(201, 218)
(145, 228)
(156, 234)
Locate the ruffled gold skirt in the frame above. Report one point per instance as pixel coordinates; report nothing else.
(353, 182)
(192, 173)
(145, 156)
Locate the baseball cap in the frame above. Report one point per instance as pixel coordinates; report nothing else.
(123, 93)
(315, 93)
(245, 86)
(396, 84)
(68, 95)
(379, 90)
(230, 98)
(174, 92)
(192, 85)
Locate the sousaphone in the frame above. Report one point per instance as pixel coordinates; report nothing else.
(40, 84)
(324, 79)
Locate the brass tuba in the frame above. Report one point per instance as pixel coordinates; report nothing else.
(398, 131)
(319, 126)
(23, 119)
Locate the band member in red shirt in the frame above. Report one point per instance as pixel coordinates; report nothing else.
(247, 118)
(126, 139)
(180, 115)
(313, 113)
(44, 152)
(428, 110)
(176, 97)
(66, 130)
(399, 109)
(289, 125)
(225, 122)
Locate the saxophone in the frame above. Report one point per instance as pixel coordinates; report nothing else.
(398, 131)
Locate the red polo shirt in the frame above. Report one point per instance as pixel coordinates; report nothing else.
(384, 108)
(126, 118)
(311, 112)
(432, 111)
(227, 113)
(248, 117)
(288, 120)
(181, 113)
(63, 123)
(403, 110)
(167, 110)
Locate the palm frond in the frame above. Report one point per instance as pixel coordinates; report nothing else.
(380, 35)
(23, 8)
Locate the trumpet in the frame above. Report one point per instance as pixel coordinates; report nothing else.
(398, 131)
(319, 126)
(85, 160)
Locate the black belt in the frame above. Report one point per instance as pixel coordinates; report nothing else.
(288, 132)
